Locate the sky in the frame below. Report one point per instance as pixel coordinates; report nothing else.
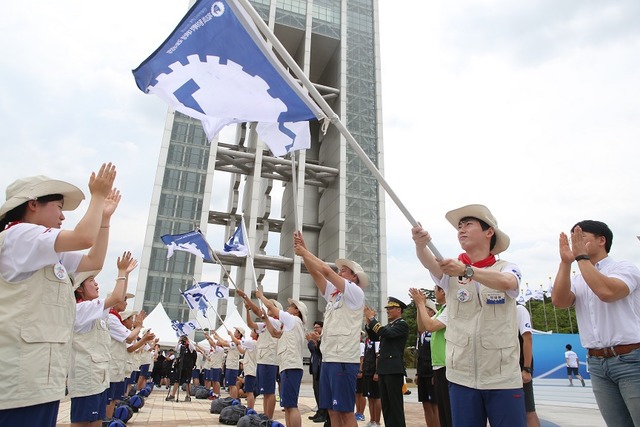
(530, 108)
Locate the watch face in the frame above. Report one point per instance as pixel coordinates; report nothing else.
(468, 272)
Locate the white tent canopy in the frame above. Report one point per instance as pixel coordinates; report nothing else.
(234, 319)
(160, 324)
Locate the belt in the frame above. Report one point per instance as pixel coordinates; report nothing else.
(616, 350)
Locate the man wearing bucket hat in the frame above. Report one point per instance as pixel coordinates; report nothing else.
(391, 372)
(88, 381)
(232, 364)
(340, 344)
(482, 330)
(36, 257)
(291, 341)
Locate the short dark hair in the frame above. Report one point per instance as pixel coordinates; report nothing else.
(597, 228)
(17, 213)
(568, 347)
(319, 323)
(484, 227)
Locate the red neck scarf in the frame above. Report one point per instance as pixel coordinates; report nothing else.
(115, 313)
(11, 224)
(487, 262)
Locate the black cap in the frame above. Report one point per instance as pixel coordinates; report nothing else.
(395, 302)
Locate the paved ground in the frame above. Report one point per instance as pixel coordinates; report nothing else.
(557, 405)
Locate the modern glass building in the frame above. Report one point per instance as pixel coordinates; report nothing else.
(339, 205)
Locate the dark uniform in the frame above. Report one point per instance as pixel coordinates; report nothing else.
(391, 372)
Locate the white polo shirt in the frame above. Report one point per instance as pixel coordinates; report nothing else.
(606, 324)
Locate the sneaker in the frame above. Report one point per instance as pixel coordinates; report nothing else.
(359, 416)
(311, 417)
(170, 398)
(187, 398)
(582, 383)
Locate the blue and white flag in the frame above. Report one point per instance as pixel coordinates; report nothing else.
(183, 328)
(216, 67)
(203, 294)
(192, 242)
(237, 243)
(528, 294)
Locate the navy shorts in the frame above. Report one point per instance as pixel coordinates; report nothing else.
(116, 391)
(195, 373)
(144, 370)
(370, 387)
(44, 414)
(266, 377)
(89, 408)
(571, 371)
(134, 377)
(290, 380)
(249, 383)
(231, 377)
(215, 374)
(426, 390)
(502, 407)
(338, 386)
(208, 374)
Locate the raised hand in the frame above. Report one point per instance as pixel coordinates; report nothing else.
(420, 236)
(418, 297)
(566, 254)
(111, 203)
(100, 183)
(124, 261)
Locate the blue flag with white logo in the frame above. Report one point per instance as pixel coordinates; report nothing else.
(216, 67)
(236, 245)
(192, 242)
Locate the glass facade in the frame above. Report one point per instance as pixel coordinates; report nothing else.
(362, 217)
(179, 210)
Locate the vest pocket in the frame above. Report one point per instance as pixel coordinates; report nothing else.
(498, 353)
(459, 352)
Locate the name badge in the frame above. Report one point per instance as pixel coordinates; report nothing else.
(495, 298)
(60, 271)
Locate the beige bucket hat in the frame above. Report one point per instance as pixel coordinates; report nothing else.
(363, 278)
(302, 307)
(480, 212)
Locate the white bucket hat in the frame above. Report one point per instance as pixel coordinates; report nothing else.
(24, 189)
(480, 212)
(78, 278)
(302, 307)
(363, 279)
(430, 304)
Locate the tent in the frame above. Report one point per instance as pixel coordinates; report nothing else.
(232, 320)
(160, 324)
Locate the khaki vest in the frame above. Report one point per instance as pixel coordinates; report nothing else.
(90, 357)
(118, 364)
(267, 346)
(217, 359)
(233, 359)
(290, 347)
(482, 336)
(36, 319)
(341, 333)
(250, 362)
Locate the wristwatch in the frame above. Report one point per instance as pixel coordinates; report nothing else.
(468, 272)
(526, 369)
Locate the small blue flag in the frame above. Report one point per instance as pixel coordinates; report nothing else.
(236, 245)
(192, 242)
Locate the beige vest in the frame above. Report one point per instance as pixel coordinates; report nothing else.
(36, 326)
(482, 336)
(250, 362)
(290, 347)
(118, 364)
(217, 358)
(233, 358)
(90, 357)
(341, 333)
(267, 346)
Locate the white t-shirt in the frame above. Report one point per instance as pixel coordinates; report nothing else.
(353, 294)
(262, 327)
(28, 248)
(289, 321)
(524, 319)
(572, 358)
(116, 329)
(362, 349)
(88, 312)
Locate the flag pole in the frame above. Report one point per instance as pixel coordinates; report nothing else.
(294, 183)
(215, 256)
(333, 117)
(249, 254)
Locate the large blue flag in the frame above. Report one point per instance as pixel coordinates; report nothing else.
(216, 67)
(192, 242)
(203, 294)
(236, 245)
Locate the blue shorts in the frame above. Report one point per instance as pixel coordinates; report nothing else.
(134, 377)
(208, 374)
(215, 374)
(89, 408)
(266, 378)
(231, 377)
(290, 380)
(502, 407)
(338, 386)
(116, 391)
(144, 370)
(195, 373)
(44, 414)
(249, 383)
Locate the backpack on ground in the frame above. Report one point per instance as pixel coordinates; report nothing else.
(123, 412)
(219, 404)
(231, 414)
(202, 393)
(254, 420)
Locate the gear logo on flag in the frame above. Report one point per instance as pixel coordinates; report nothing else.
(217, 9)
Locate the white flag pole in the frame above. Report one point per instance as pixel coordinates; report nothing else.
(264, 29)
